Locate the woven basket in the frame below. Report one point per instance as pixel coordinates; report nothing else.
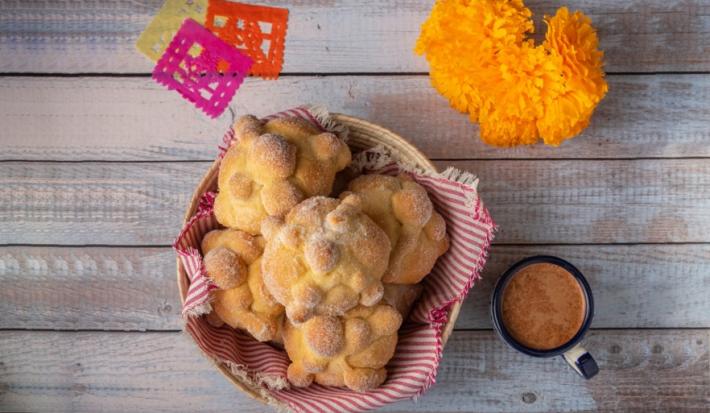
(363, 135)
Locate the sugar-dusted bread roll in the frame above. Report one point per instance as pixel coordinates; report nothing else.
(272, 167)
(403, 209)
(324, 258)
(402, 296)
(232, 260)
(346, 351)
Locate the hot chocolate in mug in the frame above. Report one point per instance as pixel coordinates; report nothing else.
(543, 306)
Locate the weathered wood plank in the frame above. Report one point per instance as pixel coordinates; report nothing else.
(560, 202)
(93, 203)
(641, 370)
(338, 36)
(98, 288)
(89, 289)
(583, 201)
(634, 286)
(136, 119)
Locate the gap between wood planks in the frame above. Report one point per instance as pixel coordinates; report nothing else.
(505, 244)
(435, 159)
(471, 330)
(305, 74)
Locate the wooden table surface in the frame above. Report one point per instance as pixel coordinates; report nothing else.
(98, 163)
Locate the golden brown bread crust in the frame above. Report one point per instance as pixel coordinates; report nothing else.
(346, 351)
(232, 260)
(324, 258)
(273, 166)
(402, 208)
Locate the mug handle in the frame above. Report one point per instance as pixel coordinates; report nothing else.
(581, 361)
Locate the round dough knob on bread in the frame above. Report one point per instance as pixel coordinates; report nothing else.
(402, 208)
(272, 166)
(232, 261)
(349, 351)
(324, 258)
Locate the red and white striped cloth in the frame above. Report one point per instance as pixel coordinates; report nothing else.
(414, 366)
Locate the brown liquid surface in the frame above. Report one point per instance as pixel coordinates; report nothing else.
(543, 306)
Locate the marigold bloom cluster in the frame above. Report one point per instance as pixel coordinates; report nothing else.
(482, 61)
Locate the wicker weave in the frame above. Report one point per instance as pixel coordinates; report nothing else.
(363, 135)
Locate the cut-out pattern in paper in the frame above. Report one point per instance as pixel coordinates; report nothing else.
(157, 35)
(202, 68)
(257, 31)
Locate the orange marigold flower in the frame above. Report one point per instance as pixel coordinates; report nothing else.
(460, 40)
(482, 62)
(572, 38)
(514, 92)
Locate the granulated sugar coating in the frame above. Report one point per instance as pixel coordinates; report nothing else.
(543, 306)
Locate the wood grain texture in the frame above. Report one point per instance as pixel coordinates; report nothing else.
(634, 286)
(136, 119)
(95, 203)
(583, 201)
(98, 288)
(641, 370)
(88, 289)
(561, 202)
(339, 36)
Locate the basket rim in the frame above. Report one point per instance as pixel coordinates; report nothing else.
(398, 144)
